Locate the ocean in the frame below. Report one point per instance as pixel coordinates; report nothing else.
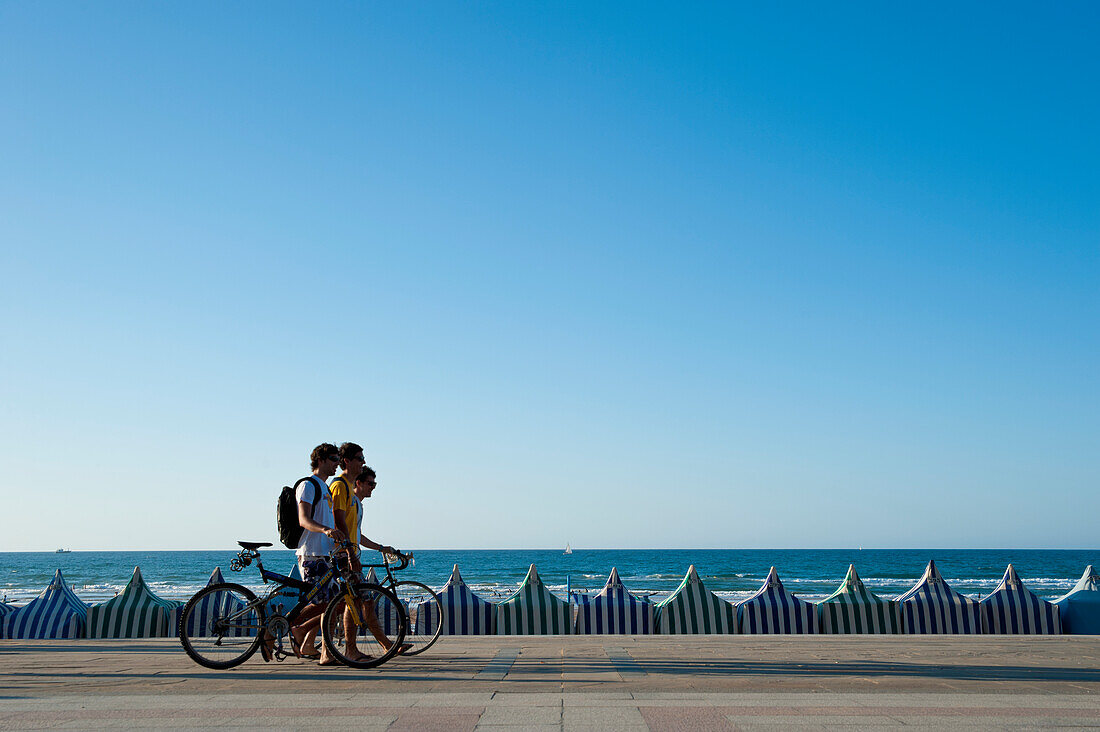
(731, 573)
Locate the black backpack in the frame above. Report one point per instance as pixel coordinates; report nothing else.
(290, 531)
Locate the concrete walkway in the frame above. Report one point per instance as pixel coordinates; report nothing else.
(608, 682)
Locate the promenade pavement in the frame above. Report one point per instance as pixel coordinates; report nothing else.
(562, 682)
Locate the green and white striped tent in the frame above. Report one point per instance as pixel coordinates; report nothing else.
(534, 610)
(136, 613)
(855, 609)
(693, 609)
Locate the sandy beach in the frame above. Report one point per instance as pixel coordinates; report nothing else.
(611, 682)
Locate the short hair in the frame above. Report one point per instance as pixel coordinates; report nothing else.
(368, 472)
(348, 450)
(321, 452)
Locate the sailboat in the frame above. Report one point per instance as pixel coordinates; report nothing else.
(568, 549)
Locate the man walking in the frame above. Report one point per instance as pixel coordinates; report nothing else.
(318, 534)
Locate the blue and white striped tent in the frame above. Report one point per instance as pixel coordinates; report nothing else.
(932, 607)
(773, 610)
(384, 610)
(287, 598)
(56, 613)
(1012, 609)
(534, 610)
(464, 613)
(5, 608)
(136, 613)
(1080, 607)
(218, 604)
(613, 611)
(693, 609)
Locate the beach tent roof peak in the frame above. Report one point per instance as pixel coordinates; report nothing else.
(852, 578)
(455, 576)
(1011, 578)
(692, 575)
(772, 580)
(216, 577)
(1090, 580)
(532, 576)
(613, 578)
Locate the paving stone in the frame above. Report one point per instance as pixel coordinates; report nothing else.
(520, 716)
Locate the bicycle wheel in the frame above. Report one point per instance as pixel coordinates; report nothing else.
(378, 634)
(425, 616)
(222, 625)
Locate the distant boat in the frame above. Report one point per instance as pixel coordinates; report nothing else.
(568, 549)
(64, 551)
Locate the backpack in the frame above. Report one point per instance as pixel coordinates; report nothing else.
(290, 531)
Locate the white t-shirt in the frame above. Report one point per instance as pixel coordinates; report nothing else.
(312, 543)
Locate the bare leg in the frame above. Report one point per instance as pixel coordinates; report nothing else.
(304, 634)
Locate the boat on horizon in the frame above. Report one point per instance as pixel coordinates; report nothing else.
(64, 551)
(568, 549)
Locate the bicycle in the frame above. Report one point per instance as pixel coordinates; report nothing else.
(223, 625)
(422, 605)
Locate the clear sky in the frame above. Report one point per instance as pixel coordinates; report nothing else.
(637, 275)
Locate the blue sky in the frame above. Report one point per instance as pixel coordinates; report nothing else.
(631, 275)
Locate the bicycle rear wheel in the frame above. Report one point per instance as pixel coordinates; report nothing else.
(371, 639)
(222, 625)
(425, 615)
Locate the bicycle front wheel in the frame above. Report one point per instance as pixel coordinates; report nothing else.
(366, 631)
(425, 616)
(222, 625)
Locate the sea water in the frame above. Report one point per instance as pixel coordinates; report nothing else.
(731, 573)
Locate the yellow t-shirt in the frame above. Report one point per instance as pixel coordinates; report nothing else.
(343, 499)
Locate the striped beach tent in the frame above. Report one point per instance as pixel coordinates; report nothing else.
(464, 613)
(855, 609)
(1012, 609)
(932, 607)
(613, 611)
(385, 611)
(56, 613)
(5, 608)
(773, 610)
(1080, 607)
(218, 604)
(534, 610)
(693, 609)
(136, 613)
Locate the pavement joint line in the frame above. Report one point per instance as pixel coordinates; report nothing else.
(499, 667)
(624, 663)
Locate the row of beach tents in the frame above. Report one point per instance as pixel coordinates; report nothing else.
(930, 607)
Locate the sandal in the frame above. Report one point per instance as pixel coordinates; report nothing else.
(299, 652)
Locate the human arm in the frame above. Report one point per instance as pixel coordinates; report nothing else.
(369, 544)
(306, 521)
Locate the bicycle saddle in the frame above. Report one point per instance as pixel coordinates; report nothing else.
(253, 545)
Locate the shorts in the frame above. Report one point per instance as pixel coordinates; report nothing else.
(313, 570)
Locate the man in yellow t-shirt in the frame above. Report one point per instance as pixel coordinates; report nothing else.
(347, 510)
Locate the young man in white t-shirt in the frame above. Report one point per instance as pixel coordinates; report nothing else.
(318, 535)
